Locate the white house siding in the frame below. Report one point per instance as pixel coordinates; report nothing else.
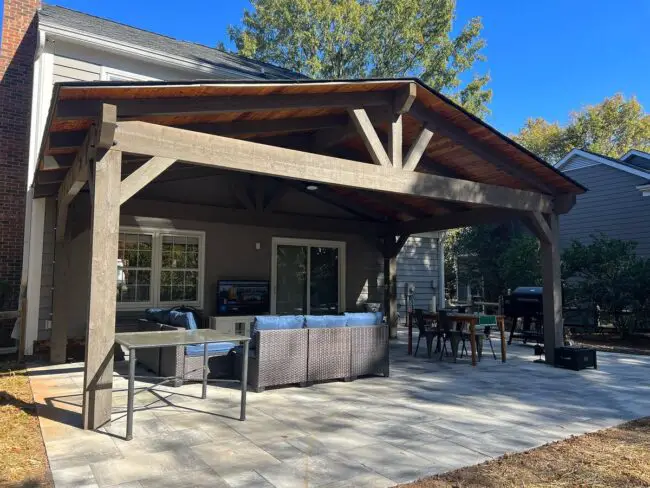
(417, 265)
(612, 206)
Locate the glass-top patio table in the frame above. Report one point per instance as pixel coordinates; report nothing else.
(156, 339)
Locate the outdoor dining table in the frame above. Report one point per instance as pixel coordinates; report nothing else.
(470, 319)
(133, 341)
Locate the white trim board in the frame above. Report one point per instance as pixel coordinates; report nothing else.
(599, 160)
(634, 152)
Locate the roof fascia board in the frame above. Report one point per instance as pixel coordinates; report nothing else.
(601, 160)
(634, 152)
(132, 50)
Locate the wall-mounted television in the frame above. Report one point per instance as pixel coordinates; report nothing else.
(242, 297)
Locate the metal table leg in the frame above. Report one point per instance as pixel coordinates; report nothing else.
(205, 371)
(244, 382)
(129, 402)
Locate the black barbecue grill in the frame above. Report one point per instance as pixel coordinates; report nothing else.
(525, 302)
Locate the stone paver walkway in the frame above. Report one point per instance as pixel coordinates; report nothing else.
(428, 417)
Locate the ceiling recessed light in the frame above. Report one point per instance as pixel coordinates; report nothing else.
(312, 187)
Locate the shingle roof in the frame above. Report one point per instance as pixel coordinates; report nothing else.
(237, 66)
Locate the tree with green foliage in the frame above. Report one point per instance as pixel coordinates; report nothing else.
(611, 127)
(342, 39)
(608, 273)
(495, 258)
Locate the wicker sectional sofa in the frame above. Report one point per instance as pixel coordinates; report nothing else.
(304, 349)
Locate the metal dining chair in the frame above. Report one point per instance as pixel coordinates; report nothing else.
(488, 321)
(423, 332)
(446, 333)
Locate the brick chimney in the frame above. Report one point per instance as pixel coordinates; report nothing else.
(19, 38)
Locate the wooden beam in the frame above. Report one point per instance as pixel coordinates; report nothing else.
(564, 203)
(370, 138)
(460, 136)
(240, 190)
(99, 136)
(455, 220)
(207, 213)
(552, 289)
(142, 176)
(251, 157)
(100, 332)
(73, 139)
(390, 294)
(129, 108)
(537, 223)
(417, 149)
(404, 98)
(324, 139)
(395, 142)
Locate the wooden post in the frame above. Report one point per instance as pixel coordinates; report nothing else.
(390, 294)
(553, 323)
(59, 331)
(100, 332)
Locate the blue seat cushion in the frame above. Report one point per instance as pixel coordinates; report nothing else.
(213, 348)
(159, 315)
(182, 319)
(277, 322)
(325, 321)
(361, 319)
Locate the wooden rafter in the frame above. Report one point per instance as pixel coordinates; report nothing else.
(455, 220)
(369, 136)
(418, 147)
(444, 127)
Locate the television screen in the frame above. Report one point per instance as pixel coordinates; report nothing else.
(242, 297)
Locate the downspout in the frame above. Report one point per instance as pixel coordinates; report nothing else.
(441, 270)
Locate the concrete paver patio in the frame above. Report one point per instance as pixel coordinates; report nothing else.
(428, 417)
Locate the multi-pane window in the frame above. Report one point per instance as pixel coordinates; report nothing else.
(179, 276)
(134, 254)
(159, 268)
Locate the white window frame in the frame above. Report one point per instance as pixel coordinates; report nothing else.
(157, 234)
(290, 241)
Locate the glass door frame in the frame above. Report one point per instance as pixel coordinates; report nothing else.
(309, 243)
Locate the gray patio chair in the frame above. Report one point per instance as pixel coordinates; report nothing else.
(423, 332)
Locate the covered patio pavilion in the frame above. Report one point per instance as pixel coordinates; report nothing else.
(364, 162)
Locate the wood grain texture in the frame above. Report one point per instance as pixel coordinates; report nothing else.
(251, 157)
(143, 176)
(100, 332)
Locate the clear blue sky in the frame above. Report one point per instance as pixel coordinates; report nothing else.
(545, 57)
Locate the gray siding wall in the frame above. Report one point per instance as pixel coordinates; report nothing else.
(417, 264)
(612, 206)
(230, 252)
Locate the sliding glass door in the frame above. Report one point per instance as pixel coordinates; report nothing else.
(308, 277)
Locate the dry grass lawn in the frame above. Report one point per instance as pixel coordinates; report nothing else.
(617, 457)
(23, 462)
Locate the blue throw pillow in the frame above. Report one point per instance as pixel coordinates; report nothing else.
(159, 315)
(325, 321)
(361, 319)
(380, 317)
(182, 319)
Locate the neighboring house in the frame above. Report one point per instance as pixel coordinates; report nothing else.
(617, 202)
(43, 45)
